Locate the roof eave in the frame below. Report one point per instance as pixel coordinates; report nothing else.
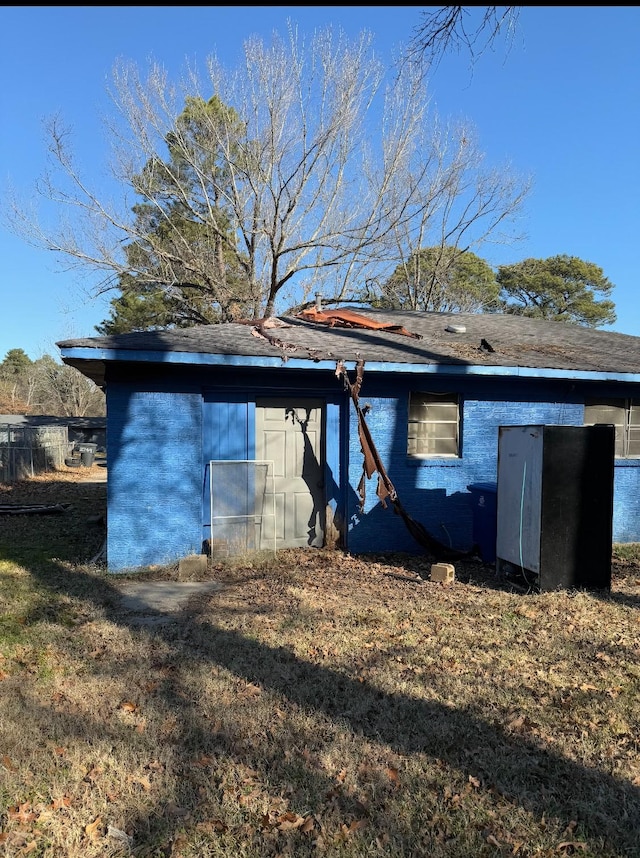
(92, 362)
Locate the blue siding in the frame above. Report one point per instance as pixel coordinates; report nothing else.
(154, 450)
(626, 501)
(229, 428)
(434, 491)
(160, 440)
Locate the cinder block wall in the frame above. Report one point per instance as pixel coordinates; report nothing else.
(154, 455)
(626, 501)
(156, 460)
(434, 491)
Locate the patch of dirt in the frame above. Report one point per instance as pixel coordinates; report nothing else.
(75, 534)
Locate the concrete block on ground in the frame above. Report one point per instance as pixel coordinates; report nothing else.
(443, 573)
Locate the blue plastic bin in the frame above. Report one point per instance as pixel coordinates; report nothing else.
(484, 505)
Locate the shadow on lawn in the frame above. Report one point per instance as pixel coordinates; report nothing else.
(520, 772)
(524, 775)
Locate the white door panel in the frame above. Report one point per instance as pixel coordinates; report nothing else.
(289, 433)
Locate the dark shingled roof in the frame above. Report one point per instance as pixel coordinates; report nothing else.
(509, 341)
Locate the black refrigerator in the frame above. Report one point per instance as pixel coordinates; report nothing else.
(555, 505)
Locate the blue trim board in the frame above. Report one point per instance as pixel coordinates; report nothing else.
(203, 360)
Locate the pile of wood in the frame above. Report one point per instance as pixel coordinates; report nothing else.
(31, 508)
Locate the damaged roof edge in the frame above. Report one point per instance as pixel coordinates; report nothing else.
(93, 355)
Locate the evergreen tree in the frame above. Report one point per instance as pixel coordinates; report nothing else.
(564, 288)
(254, 200)
(441, 279)
(183, 267)
(15, 361)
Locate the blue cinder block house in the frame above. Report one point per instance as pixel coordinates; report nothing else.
(435, 388)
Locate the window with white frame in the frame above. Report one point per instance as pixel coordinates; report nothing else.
(434, 425)
(624, 414)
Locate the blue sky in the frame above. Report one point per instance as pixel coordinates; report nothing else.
(560, 102)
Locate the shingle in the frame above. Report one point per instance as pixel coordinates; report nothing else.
(516, 342)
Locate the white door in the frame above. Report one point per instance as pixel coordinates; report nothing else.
(289, 433)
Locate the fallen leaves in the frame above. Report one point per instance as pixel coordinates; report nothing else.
(204, 762)
(347, 831)
(7, 764)
(393, 775)
(290, 821)
(133, 709)
(143, 782)
(95, 830)
(522, 724)
(250, 691)
(120, 835)
(259, 734)
(93, 774)
(22, 813)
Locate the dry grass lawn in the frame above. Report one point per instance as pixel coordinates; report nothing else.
(317, 705)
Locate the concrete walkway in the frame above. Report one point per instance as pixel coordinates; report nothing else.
(153, 603)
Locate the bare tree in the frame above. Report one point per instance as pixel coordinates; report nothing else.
(63, 390)
(11, 401)
(44, 386)
(303, 172)
(472, 29)
(461, 208)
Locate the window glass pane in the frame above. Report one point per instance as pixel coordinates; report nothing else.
(604, 414)
(634, 414)
(434, 447)
(433, 425)
(448, 447)
(422, 431)
(427, 447)
(633, 449)
(610, 411)
(418, 411)
(444, 411)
